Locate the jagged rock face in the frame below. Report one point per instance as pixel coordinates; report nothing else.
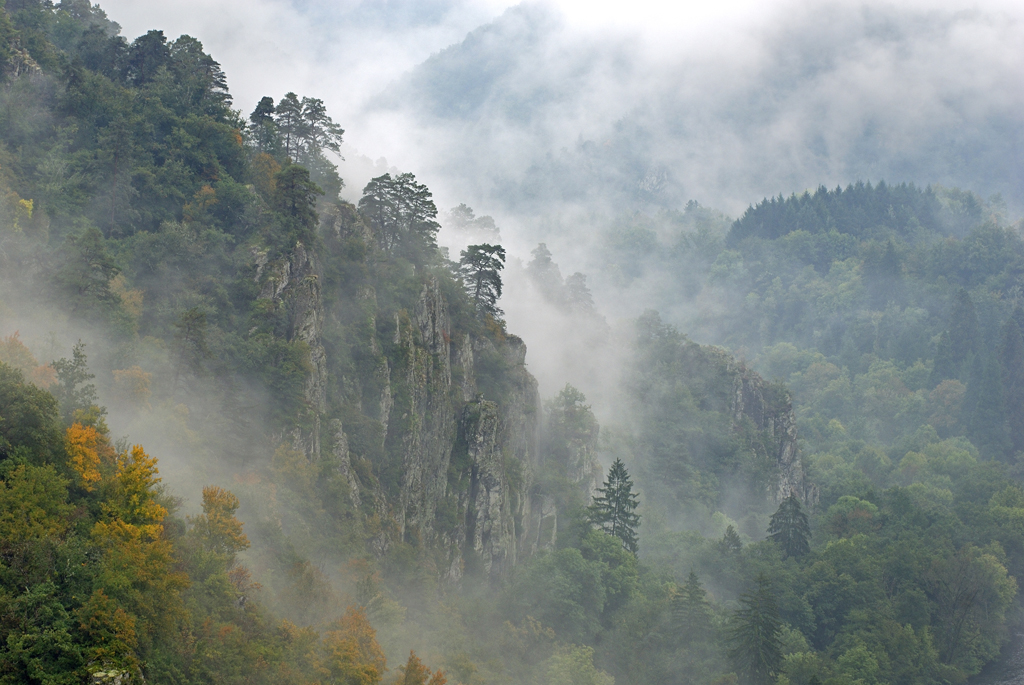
(465, 465)
(295, 282)
(484, 515)
(771, 410)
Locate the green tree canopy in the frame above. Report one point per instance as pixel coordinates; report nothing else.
(755, 635)
(614, 507)
(403, 214)
(691, 613)
(789, 527)
(480, 267)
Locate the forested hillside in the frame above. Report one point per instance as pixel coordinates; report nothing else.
(334, 457)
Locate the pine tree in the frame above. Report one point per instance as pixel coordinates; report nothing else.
(290, 123)
(295, 199)
(480, 268)
(730, 543)
(74, 393)
(403, 214)
(1011, 361)
(691, 613)
(263, 129)
(984, 400)
(545, 273)
(789, 528)
(963, 331)
(755, 635)
(577, 295)
(319, 130)
(614, 508)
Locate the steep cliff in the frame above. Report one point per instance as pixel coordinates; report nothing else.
(449, 471)
(707, 434)
(769, 407)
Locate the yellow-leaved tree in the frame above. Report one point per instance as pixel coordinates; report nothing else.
(136, 588)
(415, 672)
(89, 454)
(349, 652)
(15, 353)
(217, 528)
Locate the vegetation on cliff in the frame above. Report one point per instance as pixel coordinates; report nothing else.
(363, 462)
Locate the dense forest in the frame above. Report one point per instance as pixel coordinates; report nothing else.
(253, 433)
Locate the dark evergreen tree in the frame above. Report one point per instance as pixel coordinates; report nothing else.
(1011, 362)
(756, 648)
(295, 198)
(691, 613)
(943, 367)
(262, 128)
(319, 132)
(614, 507)
(84, 271)
(290, 123)
(480, 268)
(577, 294)
(789, 528)
(545, 274)
(963, 332)
(76, 396)
(199, 79)
(730, 544)
(984, 400)
(147, 54)
(403, 214)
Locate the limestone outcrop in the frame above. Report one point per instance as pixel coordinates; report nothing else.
(453, 470)
(769, 407)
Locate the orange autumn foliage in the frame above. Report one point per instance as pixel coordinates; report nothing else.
(137, 570)
(111, 630)
(88, 452)
(217, 527)
(14, 353)
(416, 673)
(264, 169)
(133, 386)
(135, 482)
(350, 653)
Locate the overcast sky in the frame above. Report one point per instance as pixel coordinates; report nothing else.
(732, 99)
(346, 52)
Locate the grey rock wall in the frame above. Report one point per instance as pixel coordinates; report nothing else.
(466, 464)
(771, 410)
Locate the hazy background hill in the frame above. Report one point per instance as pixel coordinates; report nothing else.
(529, 113)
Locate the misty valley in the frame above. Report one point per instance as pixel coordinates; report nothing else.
(252, 432)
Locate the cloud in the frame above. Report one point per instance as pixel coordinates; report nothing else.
(550, 115)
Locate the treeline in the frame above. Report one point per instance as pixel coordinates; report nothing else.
(860, 210)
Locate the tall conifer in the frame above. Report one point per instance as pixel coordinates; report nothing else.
(985, 409)
(1011, 362)
(789, 528)
(963, 331)
(756, 635)
(614, 507)
(691, 614)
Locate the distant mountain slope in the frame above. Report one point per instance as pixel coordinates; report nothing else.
(530, 114)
